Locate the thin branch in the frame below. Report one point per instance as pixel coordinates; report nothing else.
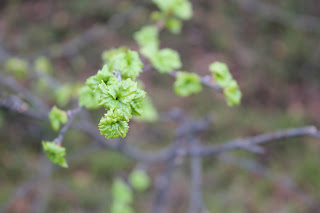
(11, 83)
(248, 143)
(15, 104)
(71, 114)
(205, 80)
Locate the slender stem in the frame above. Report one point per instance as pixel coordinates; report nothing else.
(71, 115)
(248, 143)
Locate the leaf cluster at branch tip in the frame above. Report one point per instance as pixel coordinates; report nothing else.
(187, 84)
(120, 96)
(57, 117)
(225, 80)
(55, 153)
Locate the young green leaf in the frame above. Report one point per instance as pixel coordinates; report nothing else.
(182, 9)
(128, 63)
(113, 124)
(233, 94)
(103, 75)
(136, 103)
(121, 192)
(150, 113)
(108, 55)
(57, 117)
(166, 60)
(147, 38)
(148, 35)
(88, 98)
(221, 74)
(63, 94)
(55, 153)
(174, 25)
(124, 96)
(187, 84)
(18, 67)
(156, 16)
(139, 180)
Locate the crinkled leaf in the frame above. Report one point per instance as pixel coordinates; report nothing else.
(166, 60)
(233, 94)
(121, 192)
(136, 103)
(103, 75)
(119, 96)
(57, 117)
(127, 63)
(89, 98)
(112, 125)
(43, 65)
(187, 83)
(55, 153)
(221, 74)
(139, 180)
(18, 67)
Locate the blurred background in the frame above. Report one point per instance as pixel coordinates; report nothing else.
(273, 51)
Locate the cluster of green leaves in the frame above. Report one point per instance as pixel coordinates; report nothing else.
(55, 153)
(119, 95)
(225, 80)
(187, 84)
(57, 117)
(123, 195)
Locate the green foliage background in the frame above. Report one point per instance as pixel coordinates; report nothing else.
(274, 60)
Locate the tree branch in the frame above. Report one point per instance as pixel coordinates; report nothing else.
(71, 114)
(248, 143)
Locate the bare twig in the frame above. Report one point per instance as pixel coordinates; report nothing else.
(11, 83)
(71, 114)
(15, 104)
(205, 80)
(247, 143)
